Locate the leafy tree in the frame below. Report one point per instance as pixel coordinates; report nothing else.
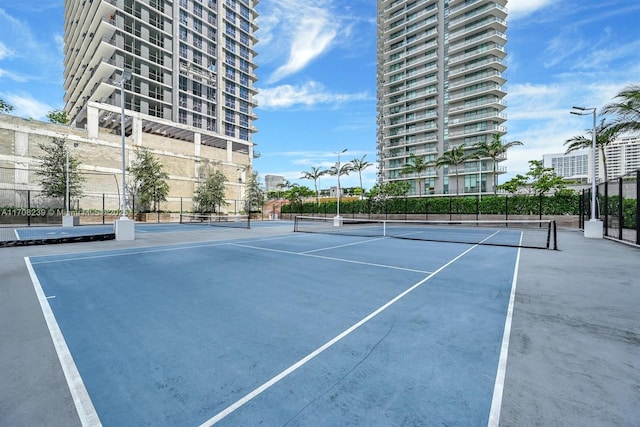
(254, 194)
(606, 133)
(359, 165)
(455, 157)
(626, 109)
(53, 171)
(5, 107)
(389, 189)
(149, 181)
(211, 193)
(417, 165)
(314, 174)
(58, 116)
(297, 193)
(538, 180)
(494, 149)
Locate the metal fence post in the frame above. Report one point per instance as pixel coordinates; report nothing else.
(620, 209)
(638, 207)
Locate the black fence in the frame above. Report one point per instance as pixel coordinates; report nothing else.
(617, 206)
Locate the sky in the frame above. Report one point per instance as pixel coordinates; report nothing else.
(317, 71)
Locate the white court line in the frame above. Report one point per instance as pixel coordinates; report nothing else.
(343, 246)
(250, 396)
(498, 388)
(86, 411)
(15, 231)
(349, 261)
(166, 248)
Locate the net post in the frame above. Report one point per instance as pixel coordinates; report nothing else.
(384, 228)
(555, 237)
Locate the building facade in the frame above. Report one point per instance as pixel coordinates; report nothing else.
(439, 83)
(623, 157)
(187, 165)
(574, 166)
(191, 63)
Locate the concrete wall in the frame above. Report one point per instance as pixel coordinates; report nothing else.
(187, 163)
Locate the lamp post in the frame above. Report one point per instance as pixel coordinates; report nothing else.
(592, 228)
(125, 228)
(238, 191)
(67, 221)
(337, 221)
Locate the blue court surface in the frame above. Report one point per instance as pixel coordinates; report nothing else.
(42, 233)
(290, 330)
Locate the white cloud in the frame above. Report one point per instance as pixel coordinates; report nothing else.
(522, 8)
(295, 32)
(5, 52)
(27, 106)
(308, 94)
(312, 38)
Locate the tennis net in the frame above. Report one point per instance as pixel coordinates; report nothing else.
(540, 234)
(232, 221)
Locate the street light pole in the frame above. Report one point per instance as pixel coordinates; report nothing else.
(66, 149)
(67, 220)
(337, 221)
(594, 227)
(125, 228)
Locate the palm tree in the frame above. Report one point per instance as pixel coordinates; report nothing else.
(416, 165)
(359, 165)
(314, 174)
(345, 168)
(606, 133)
(455, 157)
(627, 109)
(494, 149)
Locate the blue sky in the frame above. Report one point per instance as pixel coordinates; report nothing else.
(317, 75)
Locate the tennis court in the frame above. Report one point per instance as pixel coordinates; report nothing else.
(198, 325)
(278, 330)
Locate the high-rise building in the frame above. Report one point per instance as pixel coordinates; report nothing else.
(439, 82)
(191, 63)
(623, 157)
(574, 166)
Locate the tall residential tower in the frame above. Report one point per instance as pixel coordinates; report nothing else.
(439, 82)
(191, 61)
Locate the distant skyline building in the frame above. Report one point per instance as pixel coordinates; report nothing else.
(274, 182)
(573, 166)
(440, 71)
(192, 64)
(623, 157)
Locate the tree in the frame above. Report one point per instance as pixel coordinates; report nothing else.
(626, 109)
(389, 189)
(297, 193)
(345, 168)
(605, 135)
(417, 165)
(494, 149)
(53, 171)
(538, 180)
(58, 116)
(211, 193)
(254, 196)
(359, 165)
(149, 181)
(314, 174)
(455, 157)
(5, 107)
